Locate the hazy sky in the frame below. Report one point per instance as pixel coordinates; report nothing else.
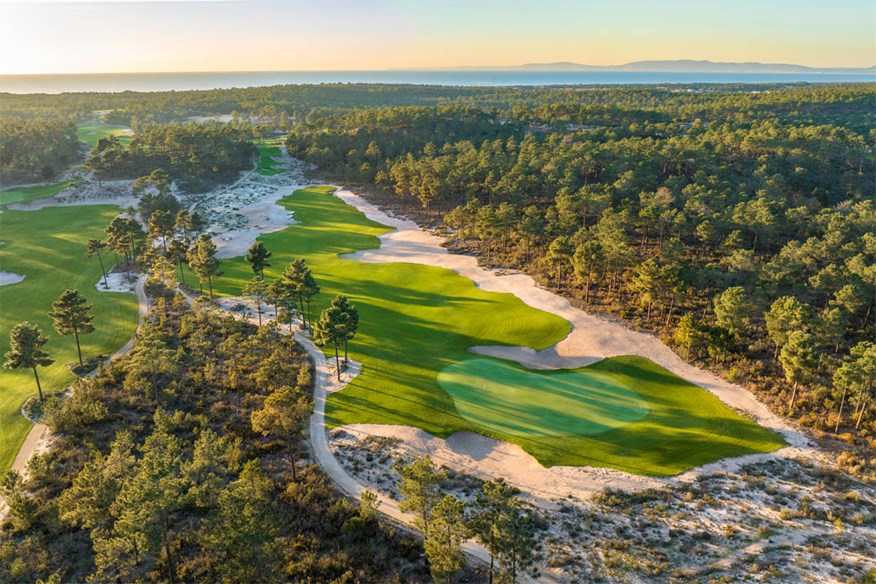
(69, 36)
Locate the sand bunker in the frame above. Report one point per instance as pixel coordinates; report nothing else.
(118, 282)
(7, 278)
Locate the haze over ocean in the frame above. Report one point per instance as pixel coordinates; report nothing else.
(211, 80)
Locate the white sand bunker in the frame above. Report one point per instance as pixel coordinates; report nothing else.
(7, 278)
(118, 282)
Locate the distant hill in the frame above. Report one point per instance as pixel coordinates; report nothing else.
(681, 66)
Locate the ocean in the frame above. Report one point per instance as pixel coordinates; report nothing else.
(186, 81)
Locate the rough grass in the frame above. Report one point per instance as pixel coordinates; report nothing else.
(267, 165)
(91, 133)
(416, 321)
(48, 247)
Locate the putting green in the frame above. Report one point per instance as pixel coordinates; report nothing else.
(416, 325)
(507, 398)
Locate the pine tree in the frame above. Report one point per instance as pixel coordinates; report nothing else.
(798, 360)
(72, 316)
(285, 414)
(257, 289)
(420, 487)
(257, 258)
(26, 342)
(447, 531)
(330, 329)
(93, 249)
(203, 260)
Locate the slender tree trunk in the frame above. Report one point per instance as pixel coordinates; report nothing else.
(100, 259)
(182, 275)
(669, 314)
(78, 348)
(210, 283)
(301, 308)
(292, 458)
(793, 398)
(345, 351)
(39, 387)
(864, 405)
(171, 571)
(338, 361)
(259, 308)
(839, 417)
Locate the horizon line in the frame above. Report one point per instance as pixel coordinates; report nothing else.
(437, 68)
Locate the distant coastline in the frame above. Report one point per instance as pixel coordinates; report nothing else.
(116, 82)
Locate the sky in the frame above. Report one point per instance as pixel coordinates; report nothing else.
(74, 36)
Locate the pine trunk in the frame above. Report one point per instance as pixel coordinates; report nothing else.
(39, 387)
(839, 417)
(102, 269)
(78, 347)
(793, 398)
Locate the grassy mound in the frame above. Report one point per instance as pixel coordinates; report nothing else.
(416, 321)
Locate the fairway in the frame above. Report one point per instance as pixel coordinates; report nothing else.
(418, 321)
(91, 133)
(48, 248)
(267, 165)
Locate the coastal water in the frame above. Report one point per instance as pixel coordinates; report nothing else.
(186, 81)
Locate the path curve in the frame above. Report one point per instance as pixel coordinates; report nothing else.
(325, 458)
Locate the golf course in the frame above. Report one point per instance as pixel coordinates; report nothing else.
(416, 325)
(47, 247)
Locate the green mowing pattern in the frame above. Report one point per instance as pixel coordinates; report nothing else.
(91, 133)
(416, 321)
(48, 247)
(267, 165)
(26, 194)
(623, 412)
(506, 398)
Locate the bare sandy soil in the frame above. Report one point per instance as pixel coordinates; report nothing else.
(771, 520)
(241, 212)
